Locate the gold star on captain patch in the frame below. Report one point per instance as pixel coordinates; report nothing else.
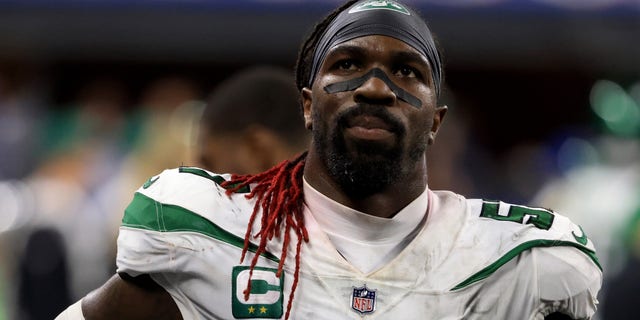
(252, 309)
(263, 309)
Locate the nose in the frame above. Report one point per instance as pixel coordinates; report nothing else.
(375, 91)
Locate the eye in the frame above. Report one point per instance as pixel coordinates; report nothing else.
(346, 64)
(407, 71)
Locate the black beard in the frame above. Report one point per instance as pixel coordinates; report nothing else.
(369, 167)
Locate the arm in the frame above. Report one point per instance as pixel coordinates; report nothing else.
(126, 297)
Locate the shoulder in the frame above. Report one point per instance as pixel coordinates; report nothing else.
(564, 272)
(176, 213)
(186, 195)
(539, 227)
(501, 231)
(173, 185)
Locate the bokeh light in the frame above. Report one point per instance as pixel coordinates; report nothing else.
(616, 107)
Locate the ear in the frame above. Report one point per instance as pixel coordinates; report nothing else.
(438, 118)
(306, 107)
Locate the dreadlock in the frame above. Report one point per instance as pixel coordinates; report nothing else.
(278, 191)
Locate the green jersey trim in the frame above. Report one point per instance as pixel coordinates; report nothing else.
(217, 179)
(148, 214)
(486, 272)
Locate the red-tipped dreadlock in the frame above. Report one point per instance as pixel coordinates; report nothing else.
(278, 193)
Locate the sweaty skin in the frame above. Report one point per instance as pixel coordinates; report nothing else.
(410, 71)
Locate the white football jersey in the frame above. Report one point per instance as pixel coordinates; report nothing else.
(473, 259)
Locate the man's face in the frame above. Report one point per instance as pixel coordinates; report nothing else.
(368, 137)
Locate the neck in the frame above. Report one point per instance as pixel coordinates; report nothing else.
(385, 203)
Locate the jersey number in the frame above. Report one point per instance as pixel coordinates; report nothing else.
(538, 217)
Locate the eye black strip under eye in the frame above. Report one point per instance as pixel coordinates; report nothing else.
(355, 83)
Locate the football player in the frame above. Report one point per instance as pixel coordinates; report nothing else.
(349, 229)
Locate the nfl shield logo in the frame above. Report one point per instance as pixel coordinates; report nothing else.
(363, 300)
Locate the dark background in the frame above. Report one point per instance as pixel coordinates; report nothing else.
(526, 62)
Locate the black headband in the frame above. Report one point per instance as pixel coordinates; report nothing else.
(379, 17)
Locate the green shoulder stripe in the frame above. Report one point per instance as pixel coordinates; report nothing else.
(489, 270)
(217, 179)
(146, 213)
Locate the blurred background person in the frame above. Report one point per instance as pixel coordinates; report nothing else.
(252, 121)
(57, 211)
(22, 113)
(86, 142)
(166, 113)
(164, 121)
(43, 271)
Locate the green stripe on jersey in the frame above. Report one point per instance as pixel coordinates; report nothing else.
(217, 179)
(489, 270)
(146, 213)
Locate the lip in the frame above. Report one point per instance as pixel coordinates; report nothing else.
(369, 122)
(369, 128)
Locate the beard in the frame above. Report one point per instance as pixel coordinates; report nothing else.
(362, 168)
